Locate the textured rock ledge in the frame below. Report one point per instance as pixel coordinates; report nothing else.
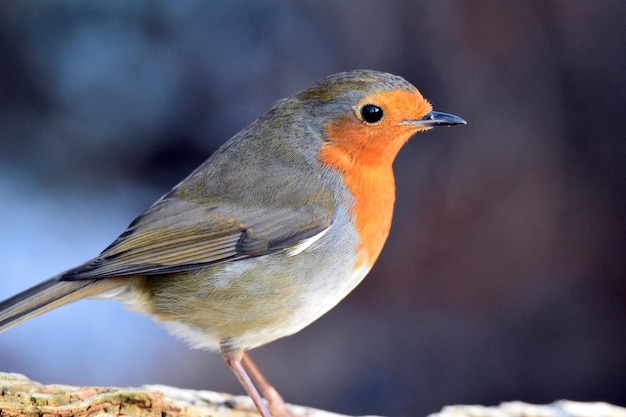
(561, 408)
(22, 397)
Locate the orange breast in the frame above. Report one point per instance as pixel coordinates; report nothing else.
(374, 195)
(373, 188)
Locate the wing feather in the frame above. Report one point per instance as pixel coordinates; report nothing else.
(177, 234)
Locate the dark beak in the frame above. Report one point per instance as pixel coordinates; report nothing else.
(436, 118)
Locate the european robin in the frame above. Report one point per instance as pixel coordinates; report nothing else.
(269, 233)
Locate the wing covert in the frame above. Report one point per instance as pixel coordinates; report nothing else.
(177, 234)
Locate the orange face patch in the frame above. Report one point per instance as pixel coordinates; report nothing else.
(364, 152)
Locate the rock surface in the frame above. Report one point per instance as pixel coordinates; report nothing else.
(22, 397)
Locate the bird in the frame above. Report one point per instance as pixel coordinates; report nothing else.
(274, 229)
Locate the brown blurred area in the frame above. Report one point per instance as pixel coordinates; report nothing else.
(504, 275)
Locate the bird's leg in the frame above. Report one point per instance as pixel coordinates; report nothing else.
(275, 401)
(233, 360)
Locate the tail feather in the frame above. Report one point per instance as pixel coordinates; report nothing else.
(42, 298)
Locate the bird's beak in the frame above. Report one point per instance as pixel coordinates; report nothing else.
(436, 118)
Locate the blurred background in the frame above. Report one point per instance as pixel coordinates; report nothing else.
(504, 275)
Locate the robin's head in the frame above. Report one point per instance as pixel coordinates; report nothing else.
(367, 115)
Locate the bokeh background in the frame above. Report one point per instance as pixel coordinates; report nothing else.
(504, 275)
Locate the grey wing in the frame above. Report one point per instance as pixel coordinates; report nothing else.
(177, 234)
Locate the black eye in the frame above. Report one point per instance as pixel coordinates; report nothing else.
(371, 113)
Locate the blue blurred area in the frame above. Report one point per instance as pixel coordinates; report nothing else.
(503, 277)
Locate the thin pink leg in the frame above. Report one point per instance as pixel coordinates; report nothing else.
(275, 401)
(233, 360)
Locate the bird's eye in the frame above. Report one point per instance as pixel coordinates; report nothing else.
(371, 113)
